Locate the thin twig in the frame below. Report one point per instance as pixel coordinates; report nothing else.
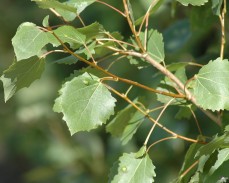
(175, 135)
(158, 118)
(161, 140)
(222, 22)
(191, 167)
(197, 123)
(112, 7)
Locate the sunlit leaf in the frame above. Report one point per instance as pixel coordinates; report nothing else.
(155, 44)
(193, 2)
(28, 41)
(85, 103)
(134, 170)
(211, 88)
(216, 6)
(68, 10)
(21, 74)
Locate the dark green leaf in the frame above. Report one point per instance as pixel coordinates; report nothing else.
(211, 88)
(85, 103)
(188, 161)
(177, 35)
(125, 123)
(21, 74)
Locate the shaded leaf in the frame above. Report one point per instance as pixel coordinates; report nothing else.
(70, 35)
(28, 41)
(21, 74)
(85, 103)
(211, 88)
(217, 142)
(177, 35)
(193, 2)
(223, 156)
(125, 123)
(133, 170)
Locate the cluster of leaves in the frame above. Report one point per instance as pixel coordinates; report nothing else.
(86, 101)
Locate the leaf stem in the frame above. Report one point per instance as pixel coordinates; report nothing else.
(158, 118)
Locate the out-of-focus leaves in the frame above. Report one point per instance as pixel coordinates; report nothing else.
(177, 35)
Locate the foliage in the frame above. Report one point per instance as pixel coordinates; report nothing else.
(88, 97)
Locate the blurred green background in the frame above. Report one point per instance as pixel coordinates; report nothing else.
(35, 144)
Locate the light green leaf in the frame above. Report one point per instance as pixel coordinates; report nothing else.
(21, 74)
(68, 10)
(193, 2)
(134, 170)
(155, 44)
(45, 21)
(28, 41)
(85, 103)
(216, 6)
(211, 87)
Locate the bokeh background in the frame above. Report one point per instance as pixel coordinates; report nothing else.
(35, 144)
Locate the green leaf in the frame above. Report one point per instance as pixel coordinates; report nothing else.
(223, 156)
(216, 6)
(21, 74)
(211, 87)
(85, 103)
(125, 123)
(134, 170)
(193, 2)
(217, 142)
(91, 31)
(188, 161)
(155, 44)
(70, 35)
(28, 41)
(133, 124)
(167, 86)
(68, 10)
(45, 21)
